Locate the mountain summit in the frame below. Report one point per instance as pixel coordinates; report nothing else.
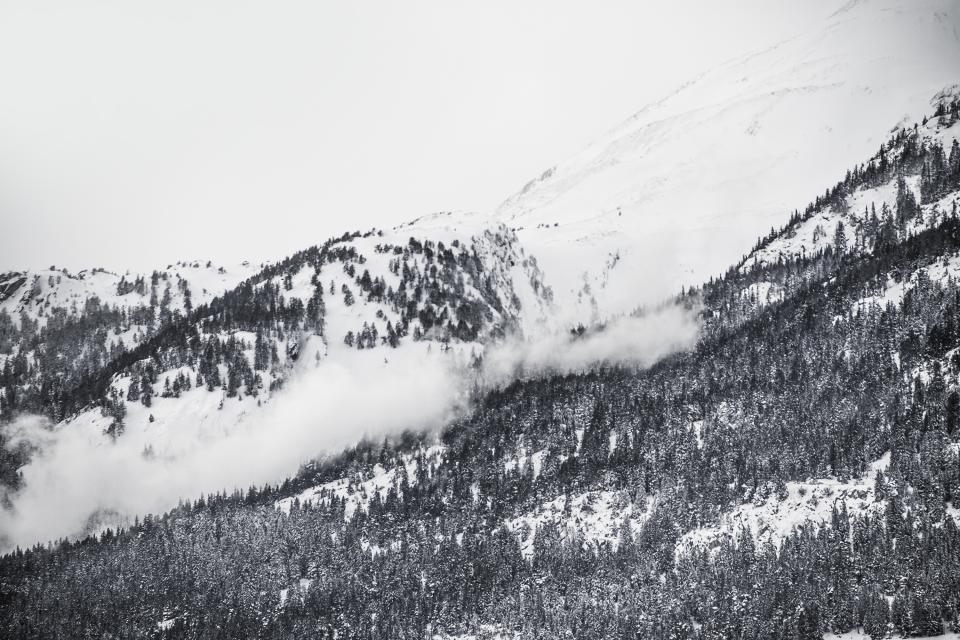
(678, 192)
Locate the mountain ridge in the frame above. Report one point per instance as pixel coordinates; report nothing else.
(675, 188)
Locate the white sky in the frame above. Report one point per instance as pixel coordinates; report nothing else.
(133, 134)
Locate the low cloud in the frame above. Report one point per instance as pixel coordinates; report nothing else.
(78, 480)
(75, 475)
(639, 341)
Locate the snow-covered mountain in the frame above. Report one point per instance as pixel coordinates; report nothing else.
(794, 474)
(174, 360)
(901, 194)
(677, 194)
(669, 198)
(680, 190)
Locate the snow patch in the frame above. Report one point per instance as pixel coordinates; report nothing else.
(776, 517)
(596, 517)
(357, 494)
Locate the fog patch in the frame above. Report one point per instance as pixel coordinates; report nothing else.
(73, 478)
(77, 481)
(638, 340)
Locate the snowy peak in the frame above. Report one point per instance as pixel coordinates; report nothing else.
(870, 66)
(683, 187)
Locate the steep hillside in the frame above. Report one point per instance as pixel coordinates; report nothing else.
(908, 187)
(172, 373)
(672, 195)
(451, 279)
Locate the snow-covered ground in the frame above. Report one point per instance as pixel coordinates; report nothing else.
(760, 294)
(775, 517)
(946, 365)
(945, 268)
(596, 517)
(42, 290)
(521, 462)
(173, 426)
(300, 590)
(357, 493)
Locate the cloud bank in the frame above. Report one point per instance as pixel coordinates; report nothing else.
(639, 340)
(74, 476)
(78, 480)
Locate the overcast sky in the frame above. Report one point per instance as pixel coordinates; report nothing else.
(134, 134)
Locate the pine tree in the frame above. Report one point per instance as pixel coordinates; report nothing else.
(840, 238)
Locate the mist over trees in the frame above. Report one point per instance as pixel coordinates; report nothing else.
(808, 368)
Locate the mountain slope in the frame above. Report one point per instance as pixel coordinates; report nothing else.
(194, 352)
(793, 476)
(674, 194)
(130, 364)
